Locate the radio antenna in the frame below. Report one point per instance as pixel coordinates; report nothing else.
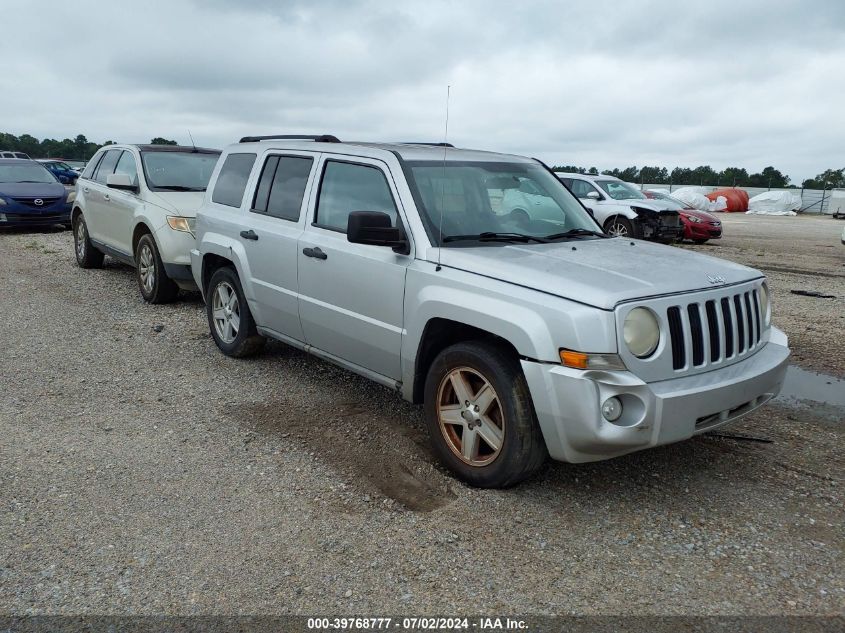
(194, 145)
(443, 184)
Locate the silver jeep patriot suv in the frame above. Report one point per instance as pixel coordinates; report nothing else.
(524, 333)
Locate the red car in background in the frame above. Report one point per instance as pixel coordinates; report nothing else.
(699, 226)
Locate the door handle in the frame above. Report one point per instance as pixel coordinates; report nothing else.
(85, 189)
(314, 252)
(249, 235)
(106, 197)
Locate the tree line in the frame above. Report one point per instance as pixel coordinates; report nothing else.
(79, 148)
(706, 175)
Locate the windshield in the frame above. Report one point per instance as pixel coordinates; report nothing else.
(178, 171)
(460, 200)
(26, 172)
(619, 190)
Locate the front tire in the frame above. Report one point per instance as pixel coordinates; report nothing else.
(480, 417)
(87, 256)
(153, 282)
(620, 226)
(229, 318)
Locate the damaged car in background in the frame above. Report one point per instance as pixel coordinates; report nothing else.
(623, 210)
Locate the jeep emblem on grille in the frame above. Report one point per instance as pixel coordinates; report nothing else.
(715, 280)
(38, 202)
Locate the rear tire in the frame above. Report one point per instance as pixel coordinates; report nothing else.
(229, 319)
(480, 416)
(87, 256)
(153, 282)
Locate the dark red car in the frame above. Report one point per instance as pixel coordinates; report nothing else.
(699, 226)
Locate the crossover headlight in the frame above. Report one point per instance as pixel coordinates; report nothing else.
(71, 196)
(641, 332)
(178, 223)
(2, 202)
(765, 304)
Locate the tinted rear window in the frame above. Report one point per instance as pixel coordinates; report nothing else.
(282, 186)
(231, 182)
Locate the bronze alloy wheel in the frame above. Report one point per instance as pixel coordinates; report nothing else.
(470, 415)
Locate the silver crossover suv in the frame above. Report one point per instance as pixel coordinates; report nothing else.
(523, 333)
(137, 204)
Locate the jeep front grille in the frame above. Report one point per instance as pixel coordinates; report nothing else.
(707, 332)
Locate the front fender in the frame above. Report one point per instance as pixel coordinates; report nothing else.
(536, 324)
(603, 212)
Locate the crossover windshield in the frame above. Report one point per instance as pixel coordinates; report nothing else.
(472, 203)
(26, 172)
(178, 171)
(619, 190)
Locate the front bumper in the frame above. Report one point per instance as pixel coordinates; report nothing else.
(20, 215)
(702, 231)
(568, 403)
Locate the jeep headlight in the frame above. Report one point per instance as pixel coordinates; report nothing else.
(71, 196)
(765, 306)
(641, 332)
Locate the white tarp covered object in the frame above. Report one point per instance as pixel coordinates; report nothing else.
(775, 203)
(694, 197)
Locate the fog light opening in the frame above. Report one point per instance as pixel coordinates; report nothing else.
(611, 410)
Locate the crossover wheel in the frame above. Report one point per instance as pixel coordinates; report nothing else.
(229, 318)
(87, 256)
(479, 415)
(620, 226)
(155, 285)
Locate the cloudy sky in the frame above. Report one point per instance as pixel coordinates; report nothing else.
(605, 84)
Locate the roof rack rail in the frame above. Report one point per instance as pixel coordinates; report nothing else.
(317, 138)
(430, 144)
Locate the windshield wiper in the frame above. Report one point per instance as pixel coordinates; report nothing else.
(575, 233)
(178, 188)
(490, 236)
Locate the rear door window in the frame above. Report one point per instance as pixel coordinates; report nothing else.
(231, 181)
(91, 166)
(282, 186)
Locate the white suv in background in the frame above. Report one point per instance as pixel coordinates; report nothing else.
(137, 203)
(623, 210)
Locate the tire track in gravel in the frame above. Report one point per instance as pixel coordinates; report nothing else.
(392, 457)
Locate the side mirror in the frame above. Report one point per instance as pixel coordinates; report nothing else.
(121, 181)
(374, 228)
(594, 195)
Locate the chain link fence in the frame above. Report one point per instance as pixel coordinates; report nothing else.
(821, 201)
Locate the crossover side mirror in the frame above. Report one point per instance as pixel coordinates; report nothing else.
(121, 181)
(374, 228)
(594, 195)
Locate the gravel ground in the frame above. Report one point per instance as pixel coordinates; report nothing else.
(143, 472)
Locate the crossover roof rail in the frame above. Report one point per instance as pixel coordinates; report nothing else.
(430, 144)
(319, 138)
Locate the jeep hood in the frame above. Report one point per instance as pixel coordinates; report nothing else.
(598, 272)
(184, 203)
